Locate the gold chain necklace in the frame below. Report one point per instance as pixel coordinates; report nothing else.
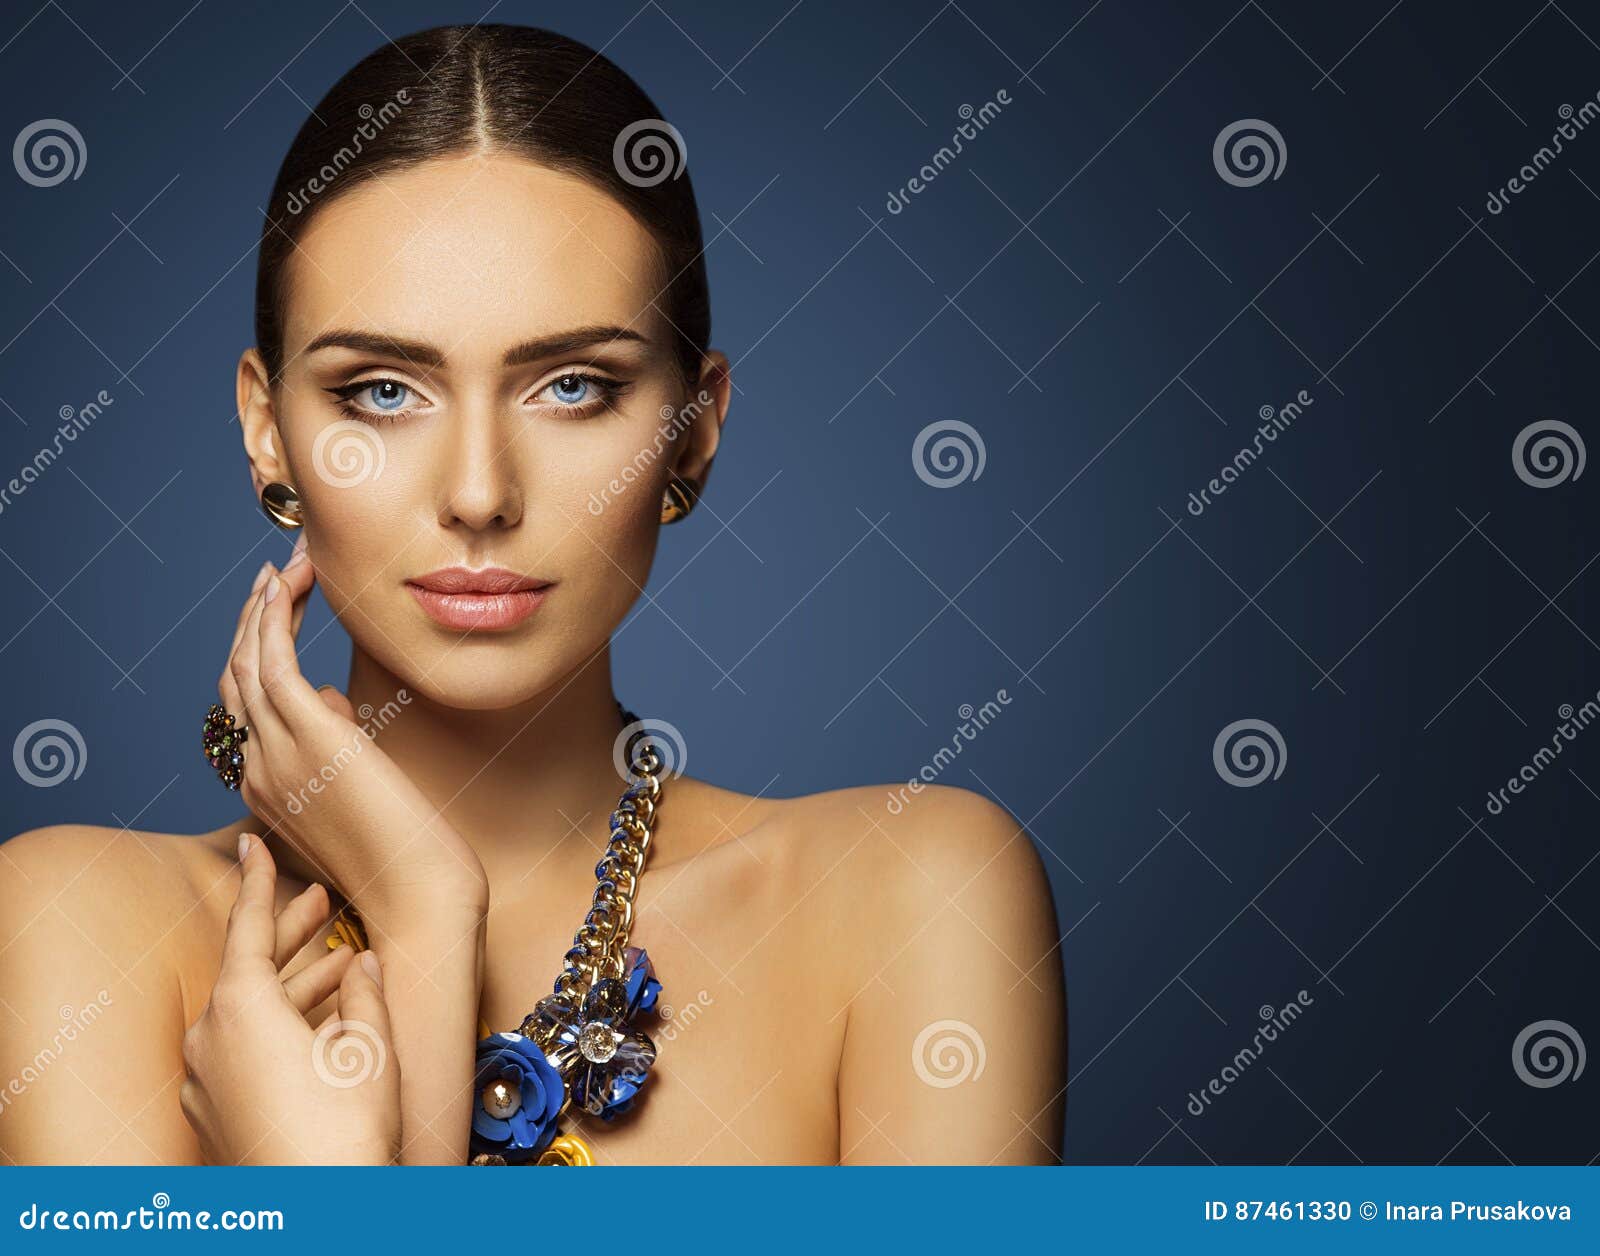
(578, 1047)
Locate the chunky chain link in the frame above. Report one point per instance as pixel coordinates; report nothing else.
(600, 942)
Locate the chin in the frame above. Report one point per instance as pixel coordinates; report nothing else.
(483, 676)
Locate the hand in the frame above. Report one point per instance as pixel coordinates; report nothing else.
(322, 783)
(262, 1086)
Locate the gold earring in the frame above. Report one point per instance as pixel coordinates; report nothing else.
(678, 499)
(282, 505)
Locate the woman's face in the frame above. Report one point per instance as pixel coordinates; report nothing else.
(476, 377)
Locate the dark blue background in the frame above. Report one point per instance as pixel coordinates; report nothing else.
(822, 620)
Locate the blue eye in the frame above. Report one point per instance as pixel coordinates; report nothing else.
(387, 394)
(571, 390)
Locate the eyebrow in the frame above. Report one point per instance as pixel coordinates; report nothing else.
(421, 354)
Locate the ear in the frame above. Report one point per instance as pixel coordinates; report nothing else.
(709, 407)
(258, 421)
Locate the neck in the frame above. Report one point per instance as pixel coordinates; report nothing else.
(512, 782)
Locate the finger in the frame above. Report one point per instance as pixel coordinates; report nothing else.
(301, 576)
(227, 686)
(282, 683)
(361, 998)
(317, 980)
(300, 920)
(250, 603)
(252, 932)
(246, 667)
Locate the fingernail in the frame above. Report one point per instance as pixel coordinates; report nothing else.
(272, 589)
(369, 961)
(260, 576)
(244, 846)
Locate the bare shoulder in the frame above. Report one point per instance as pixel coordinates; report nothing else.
(941, 841)
(878, 863)
(955, 1043)
(105, 935)
(126, 901)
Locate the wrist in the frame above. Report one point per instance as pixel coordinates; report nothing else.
(425, 909)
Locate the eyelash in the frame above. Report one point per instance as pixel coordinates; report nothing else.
(608, 393)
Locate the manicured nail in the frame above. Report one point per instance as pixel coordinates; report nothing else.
(260, 576)
(369, 961)
(244, 846)
(272, 589)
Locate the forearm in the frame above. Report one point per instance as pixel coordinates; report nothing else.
(432, 977)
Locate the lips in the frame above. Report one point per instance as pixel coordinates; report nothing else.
(465, 600)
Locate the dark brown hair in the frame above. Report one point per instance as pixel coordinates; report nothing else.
(517, 89)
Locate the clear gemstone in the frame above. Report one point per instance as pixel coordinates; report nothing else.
(598, 1042)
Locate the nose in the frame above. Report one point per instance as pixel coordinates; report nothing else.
(480, 486)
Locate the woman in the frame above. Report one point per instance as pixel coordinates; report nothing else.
(481, 383)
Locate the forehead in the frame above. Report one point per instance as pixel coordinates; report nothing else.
(473, 253)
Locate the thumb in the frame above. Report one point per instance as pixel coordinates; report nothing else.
(337, 703)
(365, 1015)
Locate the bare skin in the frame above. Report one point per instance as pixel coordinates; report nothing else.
(831, 963)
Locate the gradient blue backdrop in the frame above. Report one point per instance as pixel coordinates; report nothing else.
(1109, 314)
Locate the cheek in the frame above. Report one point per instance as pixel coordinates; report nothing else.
(358, 534)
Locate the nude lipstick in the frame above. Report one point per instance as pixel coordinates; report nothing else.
(483, 600)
